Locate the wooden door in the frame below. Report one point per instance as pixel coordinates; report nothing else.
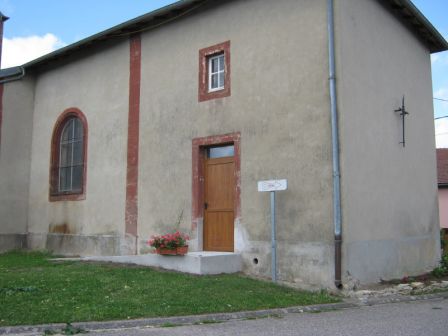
(219, 199)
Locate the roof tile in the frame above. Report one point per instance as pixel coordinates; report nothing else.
(442, 165)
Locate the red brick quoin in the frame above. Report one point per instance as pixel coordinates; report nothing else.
(198, 155)
(1, 111)
(54, 157)
(131, 211)
(2, 19)
(442, 167)
(204, 55)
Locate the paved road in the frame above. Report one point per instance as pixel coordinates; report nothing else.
(422, 318)
(427, 318)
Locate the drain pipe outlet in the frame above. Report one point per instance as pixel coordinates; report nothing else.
(335, 144)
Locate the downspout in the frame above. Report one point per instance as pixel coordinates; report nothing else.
(335, 144)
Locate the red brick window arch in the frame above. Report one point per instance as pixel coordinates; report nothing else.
(68, 157)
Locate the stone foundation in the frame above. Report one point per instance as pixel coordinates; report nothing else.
(82, 245)
(12, 241)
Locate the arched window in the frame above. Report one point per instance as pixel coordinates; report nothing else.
(68, 157)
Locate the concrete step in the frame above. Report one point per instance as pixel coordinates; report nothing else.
(192, 262)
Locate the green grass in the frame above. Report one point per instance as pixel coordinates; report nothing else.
(34, 290)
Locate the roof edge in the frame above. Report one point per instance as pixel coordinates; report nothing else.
(429, 25)
(180, 5)
(424, 28)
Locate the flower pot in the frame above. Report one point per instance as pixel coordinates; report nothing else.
(178, 251)
(182, 250)
(165, 251)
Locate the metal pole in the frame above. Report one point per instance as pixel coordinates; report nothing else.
(403, 116)
(337, 216)
(274, 238)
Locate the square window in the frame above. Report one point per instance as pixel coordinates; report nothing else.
(214, 72)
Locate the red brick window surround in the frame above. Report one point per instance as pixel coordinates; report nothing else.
(218, 71)
(68, 160)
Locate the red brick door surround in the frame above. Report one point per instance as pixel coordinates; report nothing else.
(199, 146)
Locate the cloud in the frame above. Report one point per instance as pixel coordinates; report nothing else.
(20, 50)
(435, 58)
(441, 133)
(441, 93)
(439, 59)
(441, 102)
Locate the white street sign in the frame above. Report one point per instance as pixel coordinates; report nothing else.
(272, 185)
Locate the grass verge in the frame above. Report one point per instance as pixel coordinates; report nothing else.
(34, 290)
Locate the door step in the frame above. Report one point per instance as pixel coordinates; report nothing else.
(193, 262)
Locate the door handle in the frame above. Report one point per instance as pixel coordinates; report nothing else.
(205, 205)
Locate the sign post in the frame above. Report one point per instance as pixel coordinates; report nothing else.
(272, 186)
(273, 239)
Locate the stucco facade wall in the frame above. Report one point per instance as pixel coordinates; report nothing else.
(97, 84)
(279, 107)
(15, 158)
(443, 207)
(278, 103)
(389, 193)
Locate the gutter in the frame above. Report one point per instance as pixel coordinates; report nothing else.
(176, 9)
(420, 24)
(11, 74)
(337, 218)
(151, 20)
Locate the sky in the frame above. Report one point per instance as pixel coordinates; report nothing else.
(37, 27)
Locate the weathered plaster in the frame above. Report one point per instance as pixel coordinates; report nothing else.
(75, 244)
(15, 155)
(279, 104)
(96, 82)
(389, 193)
(12, 241)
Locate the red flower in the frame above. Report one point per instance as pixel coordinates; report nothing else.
(169, 240)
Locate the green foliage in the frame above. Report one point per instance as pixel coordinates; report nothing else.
(208, 322)
(169, 325)
(443, 239)
(71, 330)
(23, 259)
(36, 291)
(442, 269)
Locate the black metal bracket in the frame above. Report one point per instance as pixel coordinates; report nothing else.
(403, 113)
